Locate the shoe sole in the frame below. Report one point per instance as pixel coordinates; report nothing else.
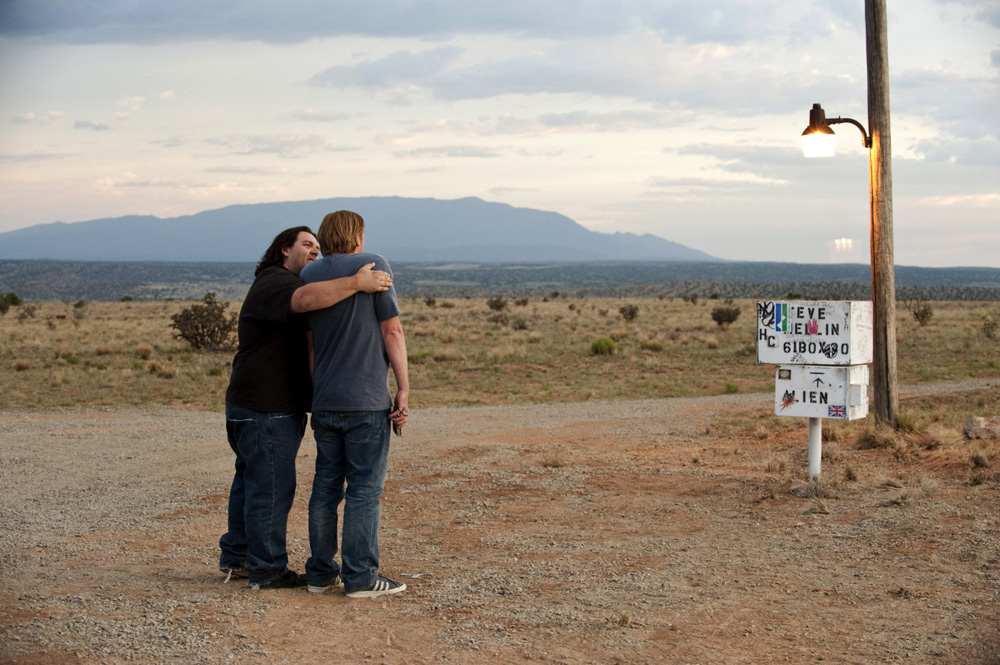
(238, 574)
(283, 582)
(323, 589)
(376, 594)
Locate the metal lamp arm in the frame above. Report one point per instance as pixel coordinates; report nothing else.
(866, 140)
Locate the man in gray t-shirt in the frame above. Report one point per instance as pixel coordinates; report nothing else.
(354, 343)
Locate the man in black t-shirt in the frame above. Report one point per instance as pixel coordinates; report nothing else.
(269, 394)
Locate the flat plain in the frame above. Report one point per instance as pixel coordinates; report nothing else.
(546, 504)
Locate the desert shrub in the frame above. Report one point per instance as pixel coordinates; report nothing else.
(980, 458)
(79, 311)
(603, 346)
(724, 315)
(7, 301)
(521, 302)
(430, 302)
(126, 299)
(22, 365)
(691, 298)
(629, 312)
(419, 358)
(497, 303)
(206, 325)
(519, 324)
(27, 312)
(145, 351)
(654, 345)
(161, 371)
(447, 305)
(732, 388)
(921, 311)
(989, 327)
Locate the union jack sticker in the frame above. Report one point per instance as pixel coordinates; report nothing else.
(836, 412)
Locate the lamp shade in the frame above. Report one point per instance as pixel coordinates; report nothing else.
(819, 141)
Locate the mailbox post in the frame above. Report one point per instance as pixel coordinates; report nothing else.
(823, 350)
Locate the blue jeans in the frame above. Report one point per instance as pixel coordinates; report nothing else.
(263, 488)
(352, 448)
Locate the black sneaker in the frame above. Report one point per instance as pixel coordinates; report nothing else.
(290, 580)
(239, 571)
(335, 583)
(381, 587)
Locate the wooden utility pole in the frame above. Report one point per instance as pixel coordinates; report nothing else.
(883, 263)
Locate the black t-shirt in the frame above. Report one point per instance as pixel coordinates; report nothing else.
(271, 367)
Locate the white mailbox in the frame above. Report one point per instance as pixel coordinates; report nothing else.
(804, 332)
(811, 391)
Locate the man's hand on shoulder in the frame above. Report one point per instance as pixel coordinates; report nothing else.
(371, 281)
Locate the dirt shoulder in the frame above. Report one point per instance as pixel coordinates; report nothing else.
(608, 532)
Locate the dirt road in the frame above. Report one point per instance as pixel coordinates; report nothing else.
(614, 532)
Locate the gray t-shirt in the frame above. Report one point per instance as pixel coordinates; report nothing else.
(351, 368)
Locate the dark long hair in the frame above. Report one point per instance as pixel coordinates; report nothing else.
(284, 240)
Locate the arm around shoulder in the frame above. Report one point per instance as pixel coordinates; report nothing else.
(320, 295)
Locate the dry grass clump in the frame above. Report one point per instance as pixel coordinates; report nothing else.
(917, 489)
(981, 458)
(775, 465)
(881, 437)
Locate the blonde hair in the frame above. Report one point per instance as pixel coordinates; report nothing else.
(338, 234)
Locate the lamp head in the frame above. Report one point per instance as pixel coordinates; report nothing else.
(818, 140)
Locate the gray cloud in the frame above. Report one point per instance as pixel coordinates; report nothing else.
(400, 67)
(248, 170)
(451, 151)
(99, 21)
(585, 69)
(143, 184)
(33, 157)
(286, 147)
(706, 184)
(94, 126)
(613, 121)
(310, 115)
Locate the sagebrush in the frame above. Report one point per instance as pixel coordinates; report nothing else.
(206, 325)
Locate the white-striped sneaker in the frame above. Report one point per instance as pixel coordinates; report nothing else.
(381, 587)
(335, 583)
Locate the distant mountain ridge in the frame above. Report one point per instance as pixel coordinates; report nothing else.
(401, 229)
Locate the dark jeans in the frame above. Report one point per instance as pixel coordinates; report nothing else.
(263, 488)
(352, 449)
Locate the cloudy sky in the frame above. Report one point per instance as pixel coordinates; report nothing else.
(671, 117)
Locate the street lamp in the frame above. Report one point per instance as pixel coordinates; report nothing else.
(880, 203)
(818, 140)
